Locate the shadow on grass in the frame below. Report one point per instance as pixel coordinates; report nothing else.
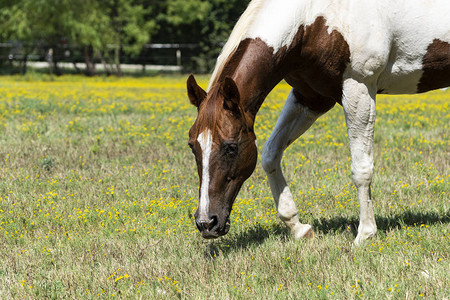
(384, 223)
(256, 235)
(250, 237)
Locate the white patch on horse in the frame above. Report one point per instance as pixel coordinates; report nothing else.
(205, 141)
(276, 23)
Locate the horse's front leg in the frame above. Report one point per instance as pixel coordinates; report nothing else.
(294, 120)
(359, 108)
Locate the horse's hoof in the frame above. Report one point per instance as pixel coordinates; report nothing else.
(361, 237)
(303, 231)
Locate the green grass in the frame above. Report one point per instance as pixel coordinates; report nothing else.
(98, 189)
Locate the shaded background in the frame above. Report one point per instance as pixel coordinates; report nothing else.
(105, 34)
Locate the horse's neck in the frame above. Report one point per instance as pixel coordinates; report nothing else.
(254, 70)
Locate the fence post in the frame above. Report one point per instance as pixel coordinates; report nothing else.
(178, 57)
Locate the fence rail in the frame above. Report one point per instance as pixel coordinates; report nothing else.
(155, 56)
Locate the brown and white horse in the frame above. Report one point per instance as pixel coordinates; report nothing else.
(329, 51)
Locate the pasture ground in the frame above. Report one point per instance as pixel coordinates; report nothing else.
(98, 189)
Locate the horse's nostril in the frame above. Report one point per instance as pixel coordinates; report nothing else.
(213, 222)
(207, 224)
(199, 225)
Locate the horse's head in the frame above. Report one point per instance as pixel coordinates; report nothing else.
(224, 146)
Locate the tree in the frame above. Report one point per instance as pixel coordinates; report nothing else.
(16, 26)
(130, 27)
(95, 26)
(105, 29)
(208, 23)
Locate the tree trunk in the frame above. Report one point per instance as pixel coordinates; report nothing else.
(24, 63)
(56, 68)
(116, 24)
(52, 60)
(49, 59)
(105, 65)
(89, 59)
(76, 67)
(117, 59)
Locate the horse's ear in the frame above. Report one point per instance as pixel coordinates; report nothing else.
(231, 97)
(195, 93)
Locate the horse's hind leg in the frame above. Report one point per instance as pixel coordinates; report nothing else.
(359, 107)
(294, 120)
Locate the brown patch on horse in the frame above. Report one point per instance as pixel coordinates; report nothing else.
(313, 64)
(317, 61)
(250, 66)
(436, 67)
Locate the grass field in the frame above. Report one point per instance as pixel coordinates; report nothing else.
(98, 189)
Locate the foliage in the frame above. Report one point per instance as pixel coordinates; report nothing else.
(98, 189)
(93, 26)
(210, 28)
(185, 12)
(125, 25)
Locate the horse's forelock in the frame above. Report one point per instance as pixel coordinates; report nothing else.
(210, 111)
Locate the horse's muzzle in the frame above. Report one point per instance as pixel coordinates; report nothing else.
(211, 228)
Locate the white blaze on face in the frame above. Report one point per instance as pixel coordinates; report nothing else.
(205, 141)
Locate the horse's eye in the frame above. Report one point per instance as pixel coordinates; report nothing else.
(191, 145)
(230, 149)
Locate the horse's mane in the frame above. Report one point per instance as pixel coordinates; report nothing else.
(235, 38)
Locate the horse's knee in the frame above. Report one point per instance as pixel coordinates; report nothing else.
(361, 179)
(362, 174)
(270, 161)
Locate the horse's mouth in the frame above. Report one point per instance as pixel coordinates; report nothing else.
(218, 231)
(209, 235)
